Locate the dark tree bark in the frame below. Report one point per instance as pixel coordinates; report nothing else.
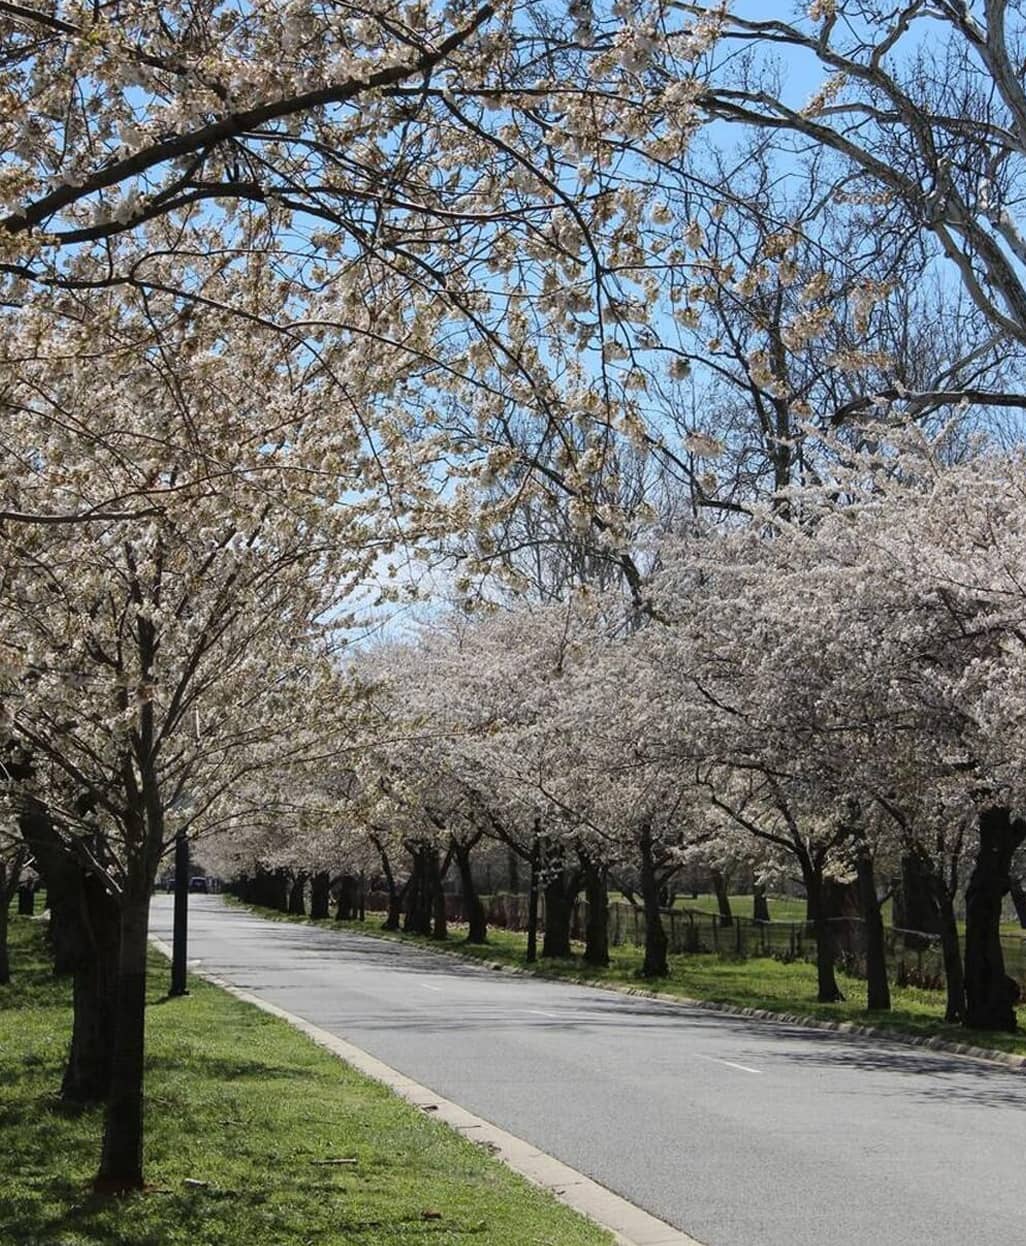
(532, 903)
(722, 898)
(1019, 900)
(562, 886)
(473, 909)
(596, 892)
(760, 905)
(85, 934)
(96, 934)
(816, 887)
(656, 963)
(419, 896)
(297, 896)
(121, 1161)
(951, 949)
(878, 990)
(26, 900)
(990, 994)
(5, 953)
(436, 875)
(320, 895)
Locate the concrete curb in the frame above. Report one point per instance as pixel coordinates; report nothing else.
(630, 1225)
(986, 1055)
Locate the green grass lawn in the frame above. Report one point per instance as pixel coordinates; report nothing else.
(755, 983)
(239, 1101)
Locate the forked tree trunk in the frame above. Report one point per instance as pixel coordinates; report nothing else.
(320, 895)
(878, 991)
(656, 963)
(121, 1162)
(473, 909)
(596, 935)
(990, 994)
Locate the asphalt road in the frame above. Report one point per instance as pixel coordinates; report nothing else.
(741, 1133)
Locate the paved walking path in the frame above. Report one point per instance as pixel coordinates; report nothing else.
(739, 1132)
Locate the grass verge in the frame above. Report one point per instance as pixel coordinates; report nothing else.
(755, 983)
(240, 1102)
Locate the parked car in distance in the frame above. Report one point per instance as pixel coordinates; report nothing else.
(198, 884)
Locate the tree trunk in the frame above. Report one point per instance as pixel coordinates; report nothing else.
(561, 890)
(26, 900)
(877, 989)
(1019, 900)
(5, 955)
(917, 909)
(473, 909)
(827, 990)
(439, 926)
(951, 948)
(121, 1162)
(395, 909)
(320, 895)
(419, 898)
(722, 898)
(655, 964)
(95, 958)
(297, 896)
(85, 934)
(532, 904)
(990, 994)
(596, 935)
(514, 872)
(760, 905)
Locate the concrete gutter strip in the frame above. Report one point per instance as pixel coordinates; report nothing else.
(630, 1225)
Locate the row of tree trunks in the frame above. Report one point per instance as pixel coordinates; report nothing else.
(267, 889)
